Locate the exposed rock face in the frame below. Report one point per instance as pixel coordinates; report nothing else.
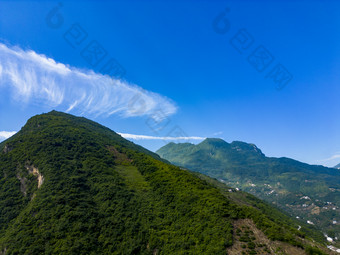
(24, 181)
(7, 148)
(23, 184)
(33, 170)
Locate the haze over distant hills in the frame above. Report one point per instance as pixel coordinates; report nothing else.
(309, 192)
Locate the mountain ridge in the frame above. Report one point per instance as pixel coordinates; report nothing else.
(71, 186)
(282, 181)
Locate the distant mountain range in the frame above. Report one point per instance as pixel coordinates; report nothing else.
(337, 166)
(309, 192)
(71, 186)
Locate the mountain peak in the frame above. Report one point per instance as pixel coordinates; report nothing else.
(215, 142)
(242, 146)
(83, 189)
(238, 146)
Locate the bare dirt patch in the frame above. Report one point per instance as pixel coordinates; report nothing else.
(248, 239)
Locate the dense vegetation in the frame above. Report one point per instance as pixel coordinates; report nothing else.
(309, 192)
(71, 186)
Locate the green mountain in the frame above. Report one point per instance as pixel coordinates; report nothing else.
(309, 192)
(71, 186)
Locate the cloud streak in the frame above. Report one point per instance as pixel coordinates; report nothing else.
(6, 134)
(167, 138)
(336, 156)
(36, 79)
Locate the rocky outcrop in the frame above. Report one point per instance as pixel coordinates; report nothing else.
(23, 184)
(7, 148)
(33, 170)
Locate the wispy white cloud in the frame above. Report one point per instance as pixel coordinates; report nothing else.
(330, 161)
(35, 78)
(167, 138)
(335, 156)
(217, 133)
(6, 134)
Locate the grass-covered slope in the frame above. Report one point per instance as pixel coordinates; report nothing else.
(71, 186)
(310, 192)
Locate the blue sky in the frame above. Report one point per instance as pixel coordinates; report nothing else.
(264, 72)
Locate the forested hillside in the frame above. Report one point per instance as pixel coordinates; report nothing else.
(71, 186)
(309, 192)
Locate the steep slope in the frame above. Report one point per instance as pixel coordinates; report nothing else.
(71, 186)
(309, 192)
(337, 166)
